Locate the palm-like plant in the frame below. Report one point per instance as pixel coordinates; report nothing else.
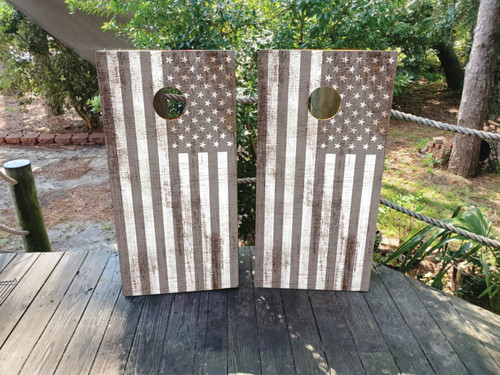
(451, 249)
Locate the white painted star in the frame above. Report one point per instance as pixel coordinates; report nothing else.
(366, 69)
(214, 94)
(362, 104)
(223, 136)
(324, 129)
(229, 143)
(221, 85)
(323, 145)
(329, 60)
(192, 86)
(337, 145)
(344, 59)
(381, 69)
(188, 145)
(181, 137)
(184, 78)
(358, 59)
(170, 78)
(359, 138)
(356, 96)
(338, 129)
(212, 59)
(345, 138)
(351, 146)
(374, 78)
(377, 105)
(229, 111)
(365, 147)
(216, 144)
(386, 96)
(215, 127)
(374, 138)
(174, 145)
(369, 113)
(391, 60)
(215, 112)
(342, 78)
(198, 77)
(209, 136)
(201, 112)
(214, 77)
(202, 128)
(192, 68)
(207, 103)
(221, 102)
(184, 59)
(364, 87)
(228, 94)
(198, 59)
(200, 94)
(228, 59)
(174, 129)
(348, 104)
(358, 78)
(380, 147)
(361, 122)
(330, 137)
(351, 69)
(169, 60)
(371, 96)
(375, 122)
(208, 119)
(367, 130)
(221, 67)
(195, 137)
(328, 78)
(222, 119)
(355, 113)
(195, 120)
(177, 69)
(336, 69)
(375, 60)
(202, 144)
(206, 68)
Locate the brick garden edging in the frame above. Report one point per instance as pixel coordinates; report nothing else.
(47, 139)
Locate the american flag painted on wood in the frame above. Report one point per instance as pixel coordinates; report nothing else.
(173, 181)
(319, 181)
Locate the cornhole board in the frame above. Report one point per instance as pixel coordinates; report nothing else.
(173, 182)
(319, 181)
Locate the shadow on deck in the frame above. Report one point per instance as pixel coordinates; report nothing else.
(66, 315)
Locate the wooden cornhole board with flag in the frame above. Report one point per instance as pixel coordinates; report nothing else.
(319, 181)
(173, 181)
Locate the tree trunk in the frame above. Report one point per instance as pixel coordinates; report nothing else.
(451, 66)
(479, 72)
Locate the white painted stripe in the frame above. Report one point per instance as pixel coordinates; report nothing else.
(345, 214)
(166, 194)
(224, 219)
(187, 220)
(364, 216)
(290, 158)
(123, 171)
(206, 229)
(145, 175)
(326, 213)
(310, 161)
(270, 169)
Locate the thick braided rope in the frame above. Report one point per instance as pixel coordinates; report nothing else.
(10, 180)
(429, 220)
(14, 231)
(416, 215)
(445, 126)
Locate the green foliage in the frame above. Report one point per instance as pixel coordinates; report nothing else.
(36, 63)
(453, 250)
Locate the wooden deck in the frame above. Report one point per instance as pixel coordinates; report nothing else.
(66, 315)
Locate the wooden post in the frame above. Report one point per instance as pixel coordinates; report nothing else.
(29, 213)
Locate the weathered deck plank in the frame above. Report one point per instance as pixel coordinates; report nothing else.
(336, 336)
(149, 337)
(398, 336)
(19, 346)
(5, 259)
(82, 348)
(243, 344)
(400, 326)
(50, 347)
(434, 344)
(470, 350)
(372, 348)
(180, 341)
(29, 283)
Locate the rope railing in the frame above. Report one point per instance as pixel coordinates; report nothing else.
(16, 232)
(445, 126)
(429, 220)
(10, 180)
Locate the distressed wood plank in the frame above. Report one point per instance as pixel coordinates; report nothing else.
(398, 336)
(212, 348)
(470, 350)
(82, 348)
(485, 324)
(27, 287)
(179, 348)
(147, 348)
(307, 348)
(50, 347)
(5, 259)
(433, 342)
(274, 341)
(35, 319)
(336, 336)
(243, 344)
(115, 347)
(371, 346)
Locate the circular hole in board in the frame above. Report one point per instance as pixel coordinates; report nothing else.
(324, 103)
(171, 108)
